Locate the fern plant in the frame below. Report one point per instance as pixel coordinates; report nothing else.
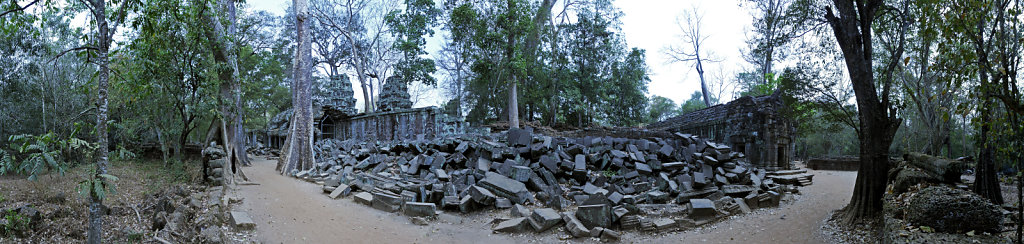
(42, 154)
(100, 185)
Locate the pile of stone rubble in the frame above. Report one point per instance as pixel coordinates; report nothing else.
(594, 186)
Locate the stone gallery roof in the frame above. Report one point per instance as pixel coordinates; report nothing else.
(719, 113)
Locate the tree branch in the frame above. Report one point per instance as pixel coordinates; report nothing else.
(18, 8)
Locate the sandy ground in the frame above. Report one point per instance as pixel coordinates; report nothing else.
(289, 210)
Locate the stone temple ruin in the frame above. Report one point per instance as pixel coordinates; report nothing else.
(750, 125)
(419, 162)
(335, 117)
(593, 186)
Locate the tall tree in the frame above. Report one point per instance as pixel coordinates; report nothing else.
(298, 154)
(852, 23)
(690, 51)
(410, 29)
(776, 24)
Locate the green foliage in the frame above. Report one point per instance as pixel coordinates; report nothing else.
(661, 108)
(122, 153)
(41, 154)
(100, 185)
(582, 73)
(410, 29)
(765, 88)
(16, 223)
(696, 102)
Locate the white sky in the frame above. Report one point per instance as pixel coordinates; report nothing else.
(650, 25)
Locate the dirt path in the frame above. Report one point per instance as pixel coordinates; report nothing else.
(288, 210)
(799, 222)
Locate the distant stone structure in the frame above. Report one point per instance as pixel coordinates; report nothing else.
(751, 125)
(338, 96)
(394, 95)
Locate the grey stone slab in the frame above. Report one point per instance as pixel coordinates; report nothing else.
(702, 208)
(342, 190)
(574, 226)
(664, 224)
(387, 202)
(643, 168)
(544, 218)
(420, 209)
(519, 211)
(482, 195)
(364, 198)
(241, 220)
(595, 215)
(502, 203)
(516, 225)
(521, 173)
(506, 187)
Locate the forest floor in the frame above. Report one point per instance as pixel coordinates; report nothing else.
(289, 210)
(64, 211)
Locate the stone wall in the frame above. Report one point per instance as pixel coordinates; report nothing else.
(397, 125)
(751, 125)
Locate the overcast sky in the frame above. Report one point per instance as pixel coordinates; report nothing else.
(650, 25)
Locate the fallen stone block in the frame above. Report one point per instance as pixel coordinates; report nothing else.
(342, 190)
(516, 225)
(521, 173)
(519, 211)
(505, 187)
(702, 208)
(574, 226)
(664, 224)
(420, 209)
(241, 221)
(502, 203)
(481, 195)
(386, 202)
(742, 205)
(364, 198)
(544, 218)
(595, 215)
(610, 235)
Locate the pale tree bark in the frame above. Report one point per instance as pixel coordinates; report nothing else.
(103, 36)
(690, 52)
(299, 151)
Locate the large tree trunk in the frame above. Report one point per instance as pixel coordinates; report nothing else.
(95, 234)
(703, 84)
(852, 29)
(986, 183)
(300, 137)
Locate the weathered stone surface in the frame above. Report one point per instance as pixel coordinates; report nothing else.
(595, 215)
(516, 225)
(702, 208)
(544, 218)
(481, 195)
(386, 202)
(953, 210)
(505, 187)
(394, 95)
(364, 198)
(610, 235)
(574, 226)
(742, 205)
(420, 209)
(521, 173)
(664, 224)
(502, 203)
(241, 221)
(519, 211)
(341, 191)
